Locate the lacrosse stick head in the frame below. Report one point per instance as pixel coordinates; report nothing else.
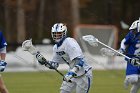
(28, 46)
(91, 40)
(106, 52)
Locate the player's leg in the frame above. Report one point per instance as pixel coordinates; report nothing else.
(134, 81)
(67, 87)
(83, 84)
(3, 88)
(135, 87)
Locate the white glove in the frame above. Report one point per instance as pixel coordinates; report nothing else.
(2, 65)
(69, 76)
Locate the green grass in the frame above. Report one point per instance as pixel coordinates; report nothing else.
(49, 82)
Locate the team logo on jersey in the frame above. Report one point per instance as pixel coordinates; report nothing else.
(60, 53)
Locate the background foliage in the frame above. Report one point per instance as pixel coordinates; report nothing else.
(24, 19)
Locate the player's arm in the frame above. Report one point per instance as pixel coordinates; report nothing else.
(50, 64)
(123, 46)
(27, 46)
(79, 62)
(126, 42)
(75, 53)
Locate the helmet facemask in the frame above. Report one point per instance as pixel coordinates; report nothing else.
(59, 31)
(57, 36)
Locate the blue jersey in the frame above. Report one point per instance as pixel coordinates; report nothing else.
(132, 43)
(2, 41)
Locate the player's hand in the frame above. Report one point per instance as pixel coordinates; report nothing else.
(2, 65)
(51, 65)
(69, 76)
(40, 58)
(135, 61)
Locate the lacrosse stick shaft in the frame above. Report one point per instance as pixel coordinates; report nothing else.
(113, 50)
(28, 46)
(59, 73)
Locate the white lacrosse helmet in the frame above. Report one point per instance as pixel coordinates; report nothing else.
(135, 25)
(58, 31)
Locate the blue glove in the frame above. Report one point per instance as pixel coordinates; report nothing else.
(69, 76)
(135, 61)
(2, 65)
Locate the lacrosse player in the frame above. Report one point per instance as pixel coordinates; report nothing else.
(130, 46)
(67, 51)
(3, 64)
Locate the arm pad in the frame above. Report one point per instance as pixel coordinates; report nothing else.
(79, 65)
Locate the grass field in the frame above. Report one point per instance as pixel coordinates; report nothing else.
(108, 81)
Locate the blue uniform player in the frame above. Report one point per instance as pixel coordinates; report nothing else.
(130, 46)
(3, 64)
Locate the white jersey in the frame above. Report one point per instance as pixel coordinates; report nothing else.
(68, 51)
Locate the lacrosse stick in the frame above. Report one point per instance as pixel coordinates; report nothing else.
(91, 39)
(28, 46)
(108, 52)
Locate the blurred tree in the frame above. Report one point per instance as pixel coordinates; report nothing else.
(84, 3)
(24, 19)
(41, 18)
(21, 34)
(10, 20)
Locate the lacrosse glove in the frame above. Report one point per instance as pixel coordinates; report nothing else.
(69, 76)
(40, 58)
(51, 65)
(2, 65)
(135, 61)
